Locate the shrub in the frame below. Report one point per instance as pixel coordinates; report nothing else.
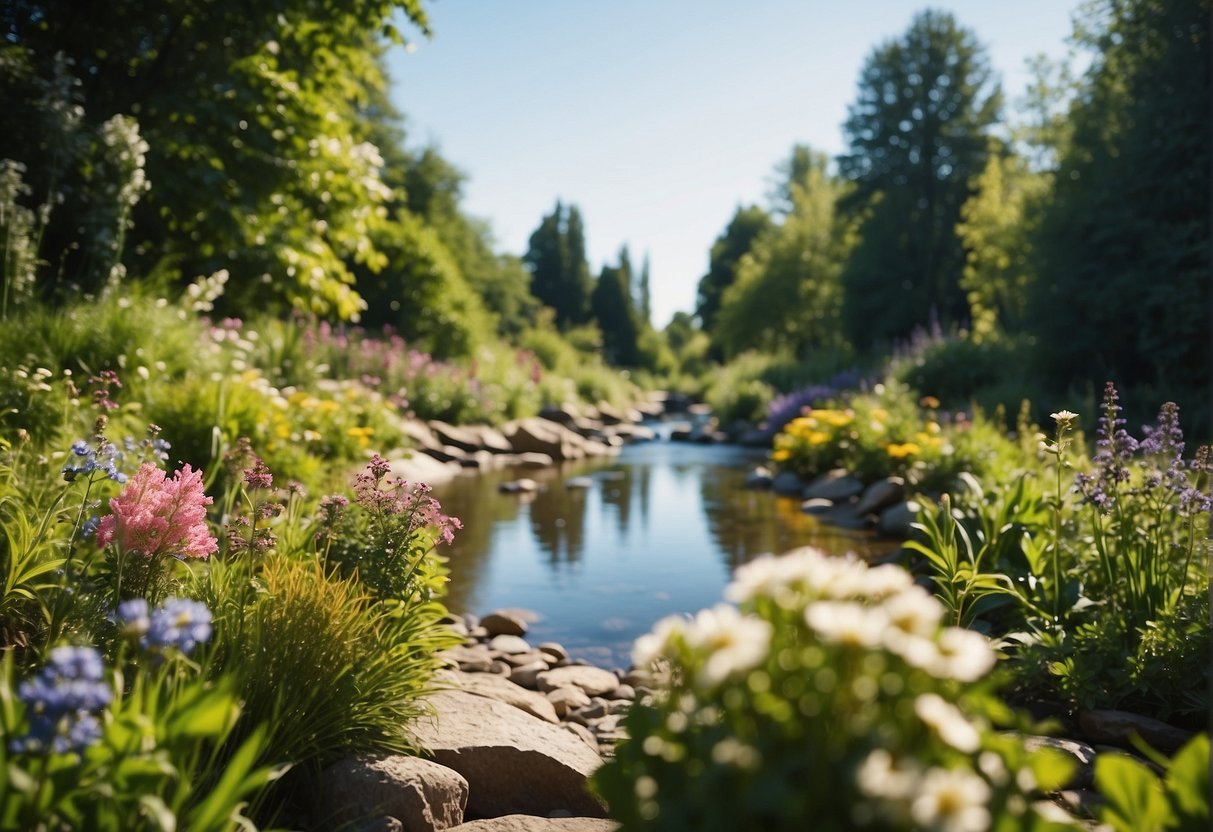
(831, 699)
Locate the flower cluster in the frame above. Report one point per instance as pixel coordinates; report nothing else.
(157, 515)
(177, 624)
(385, 496)
(1114, 450)
(88, 458)
(831, 696)
(62, 701)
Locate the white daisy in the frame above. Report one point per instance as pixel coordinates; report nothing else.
(947, 721)
(952, 801)
(731, 642)
(847, 623)
(963, 655)
(655, 644)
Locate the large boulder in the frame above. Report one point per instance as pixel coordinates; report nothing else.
(492, 686)
(511, 622)
(896, 520)
(464, 438)
(421, 467)
(881, 494)
(491, 439)
(787, 483)
(513, 762)
(424, 796)
(1119, 727)
(541, 436)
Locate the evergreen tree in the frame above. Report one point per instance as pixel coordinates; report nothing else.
(747, 225)
(1124, 269)
(644, 292)
(616, 315)
(560, 275)
(917, 133)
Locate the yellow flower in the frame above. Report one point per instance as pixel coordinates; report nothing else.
(900, 450)
(929, 402)
(781, 455)
(818, 438)
(880, 413)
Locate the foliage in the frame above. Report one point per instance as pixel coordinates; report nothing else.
(917, 134)
(614, 310)
(832, 698)
(786, 294)
(560, 275)
(747, 226)
(1122, 290)
(1141, 801)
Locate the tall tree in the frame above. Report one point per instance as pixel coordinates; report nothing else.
(560, 275)
(787, 294)
(917, 134)
(616, 314)
(746, 226)
(644, 294)
(1124, 286)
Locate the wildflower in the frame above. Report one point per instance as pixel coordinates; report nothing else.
(879, 775)
(60, 699)
(947, 722)
(386, 496)
(179, 623)
(733, 643)
(963, 655)
(952, 801)
(1114, 447)
(655, 644)
(1064, 418)
(105, 457)
(155, 515)
(132, 617)
(914, 611)
(901, 450)
(847, 623)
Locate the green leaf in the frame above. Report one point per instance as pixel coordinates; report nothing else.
(1135, 800)
(1187, 785)
(158, 812)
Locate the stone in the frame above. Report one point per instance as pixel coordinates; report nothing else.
(624, 691)
(567, 698)
(556, 651)
(467, 658)
(564, 413)
(817, 505)
(501, 668)
(527, 674)
(521, 659)
(836, 485)
(681, 433)
(446, 453)
(760, 477)
(509, 644)
(537, 435)
(525, 485)
(582, 733)
(465, 439)
(503, 690)
(633, 433)
(491, 439)
(420, 794)
(504, 622)
(896, 519)
(513, 762)
(530, 823)
(593, 680)
(1082, 754)
(534, 459)
(881, 494)
(421, 467)
(382, 824)
(787, 483)
(1116, 727)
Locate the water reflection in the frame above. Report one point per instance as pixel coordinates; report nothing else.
(658, 530)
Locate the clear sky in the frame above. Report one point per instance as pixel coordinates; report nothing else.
(658, 117)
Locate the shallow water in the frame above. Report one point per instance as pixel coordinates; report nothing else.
(658, 530)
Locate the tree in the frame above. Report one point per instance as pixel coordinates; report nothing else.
(560, 274)
(615, 313)
(746, 226)
(996, 227)
(1124, 247)
(644, 294)
(256, 119)
(787, 294)
(917, 134)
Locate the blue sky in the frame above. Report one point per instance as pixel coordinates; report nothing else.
(658, 117)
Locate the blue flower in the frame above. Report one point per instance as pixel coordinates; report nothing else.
(180, 623)
(89, 527)
(132, 618)
(60, 701)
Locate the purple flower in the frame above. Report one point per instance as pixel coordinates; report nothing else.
(1114, 449)
(133, 618)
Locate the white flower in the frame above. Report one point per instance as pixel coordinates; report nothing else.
(963, 655)
(952, 801)
(764, 577)
(847, 623)
(655, 644)
(914, 611)
(879, 775)
(946, 720)
(887, 580)
(916, 651)
(731, 642)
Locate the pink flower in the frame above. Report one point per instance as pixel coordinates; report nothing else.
(155, 515)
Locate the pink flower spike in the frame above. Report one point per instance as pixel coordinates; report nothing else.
(155, 515)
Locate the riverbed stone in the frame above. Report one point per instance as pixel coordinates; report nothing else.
(554, 649)
(895, 521)
(681, 432)
(817, 505)
(528, 657)
(567, 698)
(468, 658)
(421, 467)
(633, 433)
(624, 691)
(508, 644)
(502, 689)
(535, 435)
(881, 494)
(523, 485)
(422, 795)
(530, 823)
(593, 680)
(464, 438)
(563, 413)
(1117, 727)
(787, 483)
(504, 622)
(836, 485)
(760, 477)
(1082, 754)
(534, 460)
(512, 761)
(525, 675)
